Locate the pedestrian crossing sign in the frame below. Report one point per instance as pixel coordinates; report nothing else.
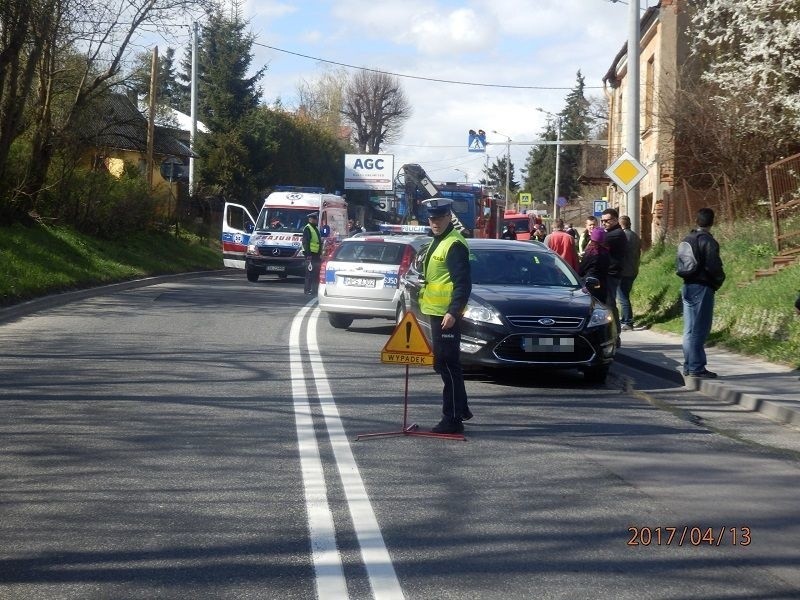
(408, 345)
(477, 141)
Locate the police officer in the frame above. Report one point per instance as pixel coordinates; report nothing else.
(312, 248)
(443, 298)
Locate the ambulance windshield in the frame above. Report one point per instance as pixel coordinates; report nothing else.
(283, 220)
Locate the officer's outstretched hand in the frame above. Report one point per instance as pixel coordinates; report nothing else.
(448, 321)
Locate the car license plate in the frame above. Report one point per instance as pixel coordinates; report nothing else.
(548, 344)
(275, 268)
(361, 282)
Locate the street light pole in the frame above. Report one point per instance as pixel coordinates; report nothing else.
(466, 175)
(558, 165)
(508, 167)
(558, 159)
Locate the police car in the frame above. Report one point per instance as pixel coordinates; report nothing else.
(361, 278)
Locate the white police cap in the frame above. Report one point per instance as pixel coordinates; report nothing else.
(437, 207)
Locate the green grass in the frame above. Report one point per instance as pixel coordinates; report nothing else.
(40, 260)
(752, 316)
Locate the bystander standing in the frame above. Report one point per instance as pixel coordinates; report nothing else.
(700, 266)
(630, 271)
(562, 243)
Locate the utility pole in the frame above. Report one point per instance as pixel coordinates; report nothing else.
(151, 119)
(632, 108)
(193, 102)
(558, 167)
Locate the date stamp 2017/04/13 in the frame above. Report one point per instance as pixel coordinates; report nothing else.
(687, 535)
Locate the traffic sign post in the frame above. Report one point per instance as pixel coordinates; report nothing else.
(408, 346)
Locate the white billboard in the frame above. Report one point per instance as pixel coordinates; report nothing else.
(369, 172)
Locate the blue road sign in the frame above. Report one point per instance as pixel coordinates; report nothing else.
(477, 141)
(599, 207)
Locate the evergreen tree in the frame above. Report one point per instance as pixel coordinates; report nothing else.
(496, 175)
(540, 167)
(576, 122)
(167, 85)
(232, 151)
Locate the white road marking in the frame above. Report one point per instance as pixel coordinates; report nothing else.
(330, 580)
(381, 573)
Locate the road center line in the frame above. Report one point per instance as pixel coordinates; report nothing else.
(330, 580)
(381, 573)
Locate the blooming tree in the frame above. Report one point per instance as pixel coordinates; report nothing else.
(751, 52)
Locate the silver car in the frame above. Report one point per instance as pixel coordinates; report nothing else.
(361, 279)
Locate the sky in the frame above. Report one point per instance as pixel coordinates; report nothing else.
(538, 45)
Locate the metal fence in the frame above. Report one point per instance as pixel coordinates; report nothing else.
(783, 182)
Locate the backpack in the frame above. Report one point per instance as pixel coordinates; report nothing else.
(687, 259)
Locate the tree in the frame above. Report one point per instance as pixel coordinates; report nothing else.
(750, 50)
(376, 106)
(496, 175)
(577, 123)
(168, 92)
(323, 99)
(227, 101)
(55, 57)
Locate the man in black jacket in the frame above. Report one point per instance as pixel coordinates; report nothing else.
(697, 294)
(617, 248)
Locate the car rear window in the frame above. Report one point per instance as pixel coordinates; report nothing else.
(370, 252)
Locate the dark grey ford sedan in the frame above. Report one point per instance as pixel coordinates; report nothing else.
(528, 308)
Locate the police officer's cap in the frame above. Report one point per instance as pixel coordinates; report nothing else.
(437, 207)
(312, 216)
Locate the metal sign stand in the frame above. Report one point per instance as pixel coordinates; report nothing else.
(412, 429)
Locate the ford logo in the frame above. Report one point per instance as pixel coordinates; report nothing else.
(276, 251)
(546, 322)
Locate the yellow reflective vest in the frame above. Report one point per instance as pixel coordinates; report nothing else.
(314, 242)
(438, 291)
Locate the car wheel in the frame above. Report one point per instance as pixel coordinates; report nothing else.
(401, 313)
(252, 275)
(596, 374)
(340, 321)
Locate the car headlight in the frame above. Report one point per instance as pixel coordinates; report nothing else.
(481, 313)
(600, 316)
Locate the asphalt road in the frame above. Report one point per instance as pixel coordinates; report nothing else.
(196, 439)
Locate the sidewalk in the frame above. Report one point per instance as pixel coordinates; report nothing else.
(756, 385)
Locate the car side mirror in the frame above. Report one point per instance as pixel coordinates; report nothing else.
(249, 228)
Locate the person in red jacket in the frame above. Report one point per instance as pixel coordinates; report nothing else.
(562, 244)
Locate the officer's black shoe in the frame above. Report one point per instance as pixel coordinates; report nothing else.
(448, 426)
(467, 414)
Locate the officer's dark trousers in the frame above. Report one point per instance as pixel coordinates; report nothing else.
(312, 274)
(447, 363)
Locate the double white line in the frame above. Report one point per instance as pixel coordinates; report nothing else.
(330, 580)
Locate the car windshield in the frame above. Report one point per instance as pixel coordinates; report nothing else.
(494, 266)
(285, 220)
(369, 252)
(521, 225)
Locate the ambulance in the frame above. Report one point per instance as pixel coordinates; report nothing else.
(272, 243)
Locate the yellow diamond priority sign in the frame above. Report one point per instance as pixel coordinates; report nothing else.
(626, 172)
(407, 345)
